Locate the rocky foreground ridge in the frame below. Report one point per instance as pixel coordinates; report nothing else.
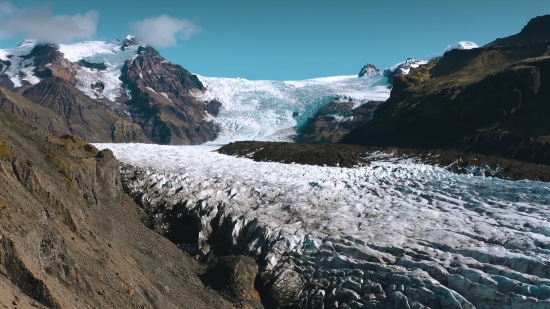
(493, 100)
(71, 238)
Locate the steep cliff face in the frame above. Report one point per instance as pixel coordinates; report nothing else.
(161, 101)
(492, 100)
(71, 238)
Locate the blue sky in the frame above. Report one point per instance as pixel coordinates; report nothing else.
(299, 39)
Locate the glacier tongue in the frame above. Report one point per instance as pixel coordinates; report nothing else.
(390, 235)
(271, 110)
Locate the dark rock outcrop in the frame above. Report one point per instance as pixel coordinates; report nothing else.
(71, 238)
(491, 100)
(213, 107)
(162, 102)
(98, 86)
(129, 41)
(368, 69)
(403, 68)
(49, 61)
(235, 277)
(334, 120)
(91, 65)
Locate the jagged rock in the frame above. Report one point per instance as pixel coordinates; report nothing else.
(130, 40)
(162, 102)
(159, 94)
(99, 86)
(368, 69)
(213, 107)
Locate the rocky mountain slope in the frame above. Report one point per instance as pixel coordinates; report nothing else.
(162, 102)
(334, 120)
(71, 238)
(119, 92)
(492, 100)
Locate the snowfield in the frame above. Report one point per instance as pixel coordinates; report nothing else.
(390, 235)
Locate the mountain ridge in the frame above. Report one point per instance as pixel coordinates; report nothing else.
(489, 100)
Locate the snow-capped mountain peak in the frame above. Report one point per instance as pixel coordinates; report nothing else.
(80, 60)
(27, 42)
(457, 45)
(368, 69)
(130, 41)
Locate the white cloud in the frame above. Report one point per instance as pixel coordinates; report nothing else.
(164, 30)
(6, 9)
(41, 24)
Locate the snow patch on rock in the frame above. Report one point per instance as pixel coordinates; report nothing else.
(111, 55)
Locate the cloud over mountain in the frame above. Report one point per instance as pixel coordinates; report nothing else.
(163, 30)
(41, 24)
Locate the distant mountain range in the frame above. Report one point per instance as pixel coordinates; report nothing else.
(123, 91)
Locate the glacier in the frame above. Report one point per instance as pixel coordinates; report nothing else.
(272, 110)
(388, 235)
